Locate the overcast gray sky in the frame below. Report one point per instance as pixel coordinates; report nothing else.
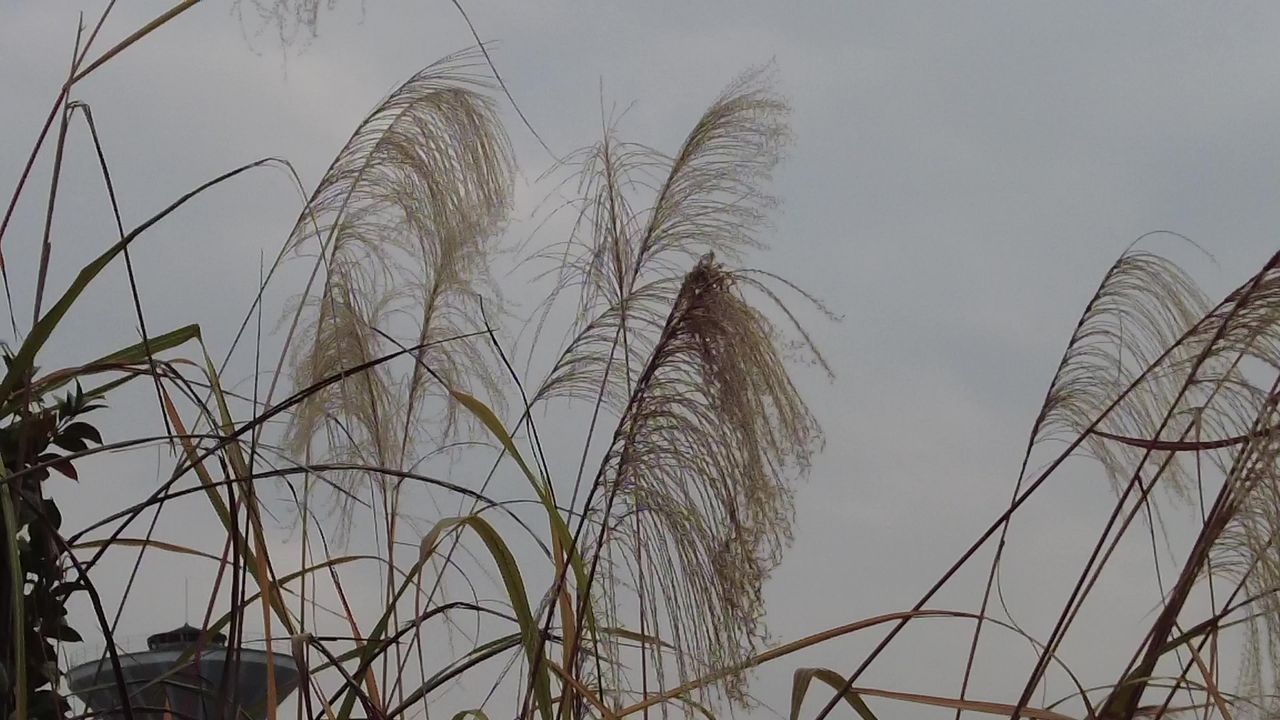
(962, 176)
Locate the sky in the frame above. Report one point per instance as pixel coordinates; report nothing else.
(962, 176)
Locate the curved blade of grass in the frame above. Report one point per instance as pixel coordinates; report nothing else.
(488, 650)
(1210, 683)
(559, 529)
(836, 680)
(285, 580)
(262, 570)
(18, 626)
(146, 543)
(134, 354)
(224, 516)
(988, 708)
(373, 643)
(138, 353)
(406, 628)
(581, 690)
(800, 685)
(514, 583)
(791, 647)
(495, 427)
(255, 560)
(24, 359)
(558, 526)
(646, 638)
(102, 390)
(235, 456)
(516, 595)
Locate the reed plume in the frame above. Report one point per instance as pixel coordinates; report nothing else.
(692, 504)
(400, 226)
(702, 465)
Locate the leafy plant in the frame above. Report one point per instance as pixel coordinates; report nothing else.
(34, 588)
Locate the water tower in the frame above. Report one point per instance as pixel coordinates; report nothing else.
(203, 686)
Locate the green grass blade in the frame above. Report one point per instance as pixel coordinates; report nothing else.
(18, 627)
(138, 353)
(488, 650)
(513, 582)
(134, 354)
(491, 422)
(24, 360)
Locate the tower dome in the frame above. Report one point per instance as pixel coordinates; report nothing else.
(212, 681)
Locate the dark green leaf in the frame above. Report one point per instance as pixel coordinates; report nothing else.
(63, 632)
(70, 444)
(83, 431)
